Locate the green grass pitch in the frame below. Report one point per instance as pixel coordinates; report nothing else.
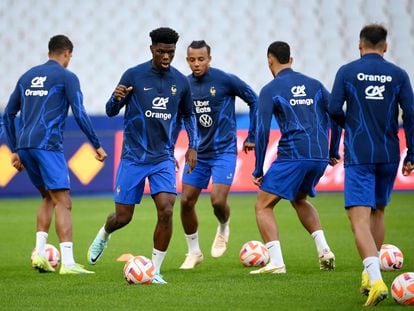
(216, 284)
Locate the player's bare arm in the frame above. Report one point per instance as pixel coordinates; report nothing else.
(121, 91)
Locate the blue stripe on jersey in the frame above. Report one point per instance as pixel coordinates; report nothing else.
(43, 95)
(1, 126)
(214, 100)
(373, 90)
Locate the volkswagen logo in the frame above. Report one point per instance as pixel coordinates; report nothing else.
(205, 120)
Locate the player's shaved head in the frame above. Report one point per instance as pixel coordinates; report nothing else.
(373, 35)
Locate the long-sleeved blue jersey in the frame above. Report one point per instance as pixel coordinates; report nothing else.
(300, 106)
(214, 101)
(151, 113)
(43, 96)
(1, 126)
(372, 89)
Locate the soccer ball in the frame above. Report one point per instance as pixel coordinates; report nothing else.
(402, 289)
(52, 255)
(139, 270)
(391, 257)
(253, 254)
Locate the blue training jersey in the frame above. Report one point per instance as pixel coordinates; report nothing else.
(152, 109)
(300, 106)
(1, 126)
(43, 96)
(372, 89)
(214, 96)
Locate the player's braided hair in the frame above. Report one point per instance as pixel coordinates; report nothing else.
(164, 35)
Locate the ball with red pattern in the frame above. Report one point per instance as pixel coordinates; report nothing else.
(139, 270)
(402, 289)
(52, 255)
(391, 258)
(253, 254)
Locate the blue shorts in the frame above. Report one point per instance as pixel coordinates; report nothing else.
(221, 168)
(130, 180)
(369, 184)
(46, 169)
(286, 178)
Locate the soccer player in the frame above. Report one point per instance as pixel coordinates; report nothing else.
(153, 94)
(214, 93)
(43, 96)
(373, 90)
(300, 106)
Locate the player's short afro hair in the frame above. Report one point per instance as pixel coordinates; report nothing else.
(164, 35)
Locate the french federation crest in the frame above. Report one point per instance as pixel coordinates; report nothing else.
(173, 89)
(213, 91)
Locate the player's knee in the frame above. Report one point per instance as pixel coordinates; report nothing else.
(258, 208)
(123, 218)
(66, 204)
(300, 202)
(218, 203)
(187, 203)
(261, 207)
(165, 215)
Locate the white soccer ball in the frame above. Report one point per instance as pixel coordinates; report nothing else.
(52, 255)
(253, 254)
(139, 270)
(391, 258)
(402, 289)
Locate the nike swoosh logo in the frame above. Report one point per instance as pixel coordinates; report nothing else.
(147, 88)
(93, 260)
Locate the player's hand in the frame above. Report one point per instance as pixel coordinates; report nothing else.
(333, 161)
(248, 146)
(407, 168)
(191, 159)
(16, 163)
(100, 154)
(257, 180)
(121, 91)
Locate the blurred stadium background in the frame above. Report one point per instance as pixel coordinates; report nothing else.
(110, 36)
